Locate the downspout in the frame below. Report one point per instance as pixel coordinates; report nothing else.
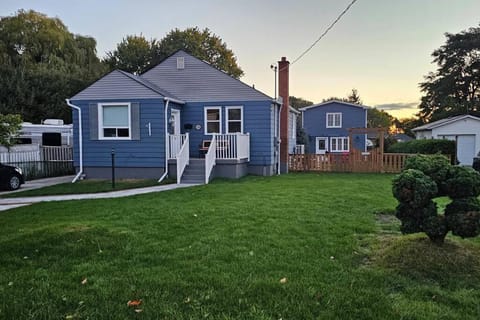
(80, 139)
(167, 102)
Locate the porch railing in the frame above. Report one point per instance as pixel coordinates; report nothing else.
(234, 146)
(183, 158)
(175, 143)
(210, 159)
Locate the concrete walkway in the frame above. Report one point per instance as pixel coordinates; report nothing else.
(10, 203)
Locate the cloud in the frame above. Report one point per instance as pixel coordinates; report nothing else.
(397, 106)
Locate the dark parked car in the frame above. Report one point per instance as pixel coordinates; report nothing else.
(11, 178)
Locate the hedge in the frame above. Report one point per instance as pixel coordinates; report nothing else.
(424, 146)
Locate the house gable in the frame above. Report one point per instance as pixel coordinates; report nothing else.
(119, 85)
(194, 80)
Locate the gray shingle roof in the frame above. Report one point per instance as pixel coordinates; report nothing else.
(199, 81)
(441, 122)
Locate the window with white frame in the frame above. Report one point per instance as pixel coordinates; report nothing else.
(114, 121)
(339, 144)
(213, 120)
(334, 120)
(234, 119)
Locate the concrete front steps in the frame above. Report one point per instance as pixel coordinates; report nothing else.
(194, 172)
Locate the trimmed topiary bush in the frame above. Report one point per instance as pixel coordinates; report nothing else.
(414, 188)
(462, 182)
(427, 177)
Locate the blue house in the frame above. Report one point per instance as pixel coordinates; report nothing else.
(183, 118)
(327, 125)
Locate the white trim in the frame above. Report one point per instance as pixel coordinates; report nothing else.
(100, 120)
(316, 145)
(342, 139)
(227, 120)
(334, 114)
(205, 122)
(176, 118)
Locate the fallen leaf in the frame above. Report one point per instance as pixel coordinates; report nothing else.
(332, 258)
(251, 253)
(138, 310)
(84, 281)
(283, 280)
(10, 283)
(26, 257)
(187, 300)
(134, 303)
(69, 316)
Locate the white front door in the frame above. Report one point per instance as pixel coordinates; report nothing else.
(465, 149)
(321, 145)
(176, 121)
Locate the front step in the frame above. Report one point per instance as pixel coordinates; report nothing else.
(194, 172)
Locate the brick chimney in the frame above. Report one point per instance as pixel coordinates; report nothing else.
(283, 91)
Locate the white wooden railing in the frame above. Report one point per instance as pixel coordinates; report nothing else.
(183, 158)
(210, 159)
(175, 143)
(63, 153)
(233, 146)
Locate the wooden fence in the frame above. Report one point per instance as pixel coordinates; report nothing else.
(373, 161)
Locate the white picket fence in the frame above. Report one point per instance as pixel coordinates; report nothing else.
(39, 161)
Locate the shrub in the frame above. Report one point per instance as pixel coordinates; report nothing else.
(462, 182)
(414, 188)
(424, 146)
(436, 228)
(435, 166)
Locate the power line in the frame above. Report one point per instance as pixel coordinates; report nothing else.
(325, 32)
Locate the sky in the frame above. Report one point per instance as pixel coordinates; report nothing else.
(380, 47)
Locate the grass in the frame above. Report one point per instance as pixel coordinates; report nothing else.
(86, 186)
(221, 251)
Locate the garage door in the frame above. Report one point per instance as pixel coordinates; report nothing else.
(466, 149)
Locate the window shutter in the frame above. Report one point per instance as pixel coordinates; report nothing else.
(93, 116)
(135, 118)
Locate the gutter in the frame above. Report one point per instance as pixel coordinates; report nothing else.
(80, 139)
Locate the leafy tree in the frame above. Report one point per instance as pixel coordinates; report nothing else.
(378, 119)
(352, 97)
(202, 44)
(10, 125)
(406, 125)
(41, 64)
(134, 54)
(298, 103)
(454, 88)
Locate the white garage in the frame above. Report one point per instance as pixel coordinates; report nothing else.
(464, 130)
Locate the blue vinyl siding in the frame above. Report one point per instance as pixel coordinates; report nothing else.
(257, 122)
(149, 151)
(315, 123)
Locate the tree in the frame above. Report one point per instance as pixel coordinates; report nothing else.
(202, 44)
(134, 54)
(41, 64)
(406, 125)
(454, 88)
(10, 125)
(378, 119)
(352, 97)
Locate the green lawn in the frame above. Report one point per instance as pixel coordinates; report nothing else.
(221, 251)
(86, 186)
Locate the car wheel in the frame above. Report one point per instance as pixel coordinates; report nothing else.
(13, 182)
